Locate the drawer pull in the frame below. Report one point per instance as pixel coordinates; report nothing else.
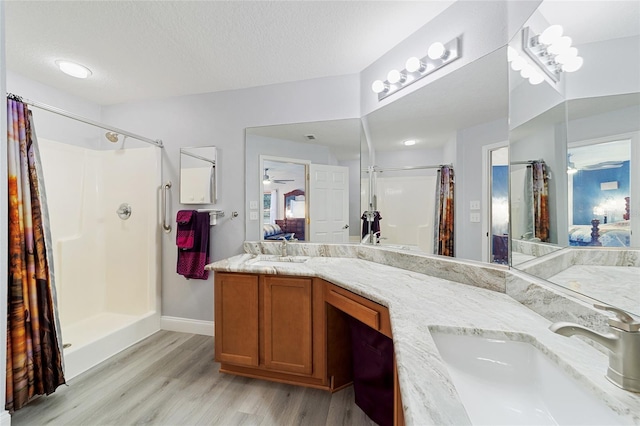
(360, 312)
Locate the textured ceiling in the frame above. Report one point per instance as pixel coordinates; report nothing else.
(154, 49)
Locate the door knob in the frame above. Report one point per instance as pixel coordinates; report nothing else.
(345, 227)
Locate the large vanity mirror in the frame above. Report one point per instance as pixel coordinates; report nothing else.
(574, 153)
(198, 175)
(412, 138)
(303, 181)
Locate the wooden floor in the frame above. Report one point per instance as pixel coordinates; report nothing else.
(171, 379)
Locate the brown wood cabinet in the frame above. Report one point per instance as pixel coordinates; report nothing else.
(271, 327)
(291, 330)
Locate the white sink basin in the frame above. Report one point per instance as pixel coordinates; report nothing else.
(275, 260)
(506, 382)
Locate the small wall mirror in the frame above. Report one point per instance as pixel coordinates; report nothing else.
(198, 175)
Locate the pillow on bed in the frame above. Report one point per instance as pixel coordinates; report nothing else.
(270, 230)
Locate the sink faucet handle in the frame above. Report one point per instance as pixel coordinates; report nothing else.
(622, 320)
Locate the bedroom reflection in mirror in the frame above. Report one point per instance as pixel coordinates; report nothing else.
(599, 196)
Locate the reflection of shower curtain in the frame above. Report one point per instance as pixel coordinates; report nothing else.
(538, 198)
(443, 238)
(34, 355)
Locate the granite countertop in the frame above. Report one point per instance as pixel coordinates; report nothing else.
(420, 304)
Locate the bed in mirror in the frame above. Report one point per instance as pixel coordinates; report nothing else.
(578, 228)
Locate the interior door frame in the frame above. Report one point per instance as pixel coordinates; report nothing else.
(306, 164)
(486, 196)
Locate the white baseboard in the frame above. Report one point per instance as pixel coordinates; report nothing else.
(5, 418)
(186, 325)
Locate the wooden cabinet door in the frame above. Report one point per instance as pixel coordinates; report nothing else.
(236, 319)
(288, 324)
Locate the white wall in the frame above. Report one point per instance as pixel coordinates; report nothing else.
(220, 119)
(468, 169)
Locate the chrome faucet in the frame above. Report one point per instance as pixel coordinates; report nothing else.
(284, 247)
(623, 343)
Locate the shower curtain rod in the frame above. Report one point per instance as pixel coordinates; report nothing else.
(64, 113)
(527, 162)
(399, 169)
(198, 157)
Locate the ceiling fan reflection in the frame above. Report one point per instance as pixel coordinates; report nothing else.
(267, 179)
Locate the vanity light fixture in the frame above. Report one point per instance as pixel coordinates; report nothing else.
(527, 70)
(73, 69)
(438, 55)
(551, 51)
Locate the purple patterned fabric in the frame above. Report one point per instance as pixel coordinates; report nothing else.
(191, 261)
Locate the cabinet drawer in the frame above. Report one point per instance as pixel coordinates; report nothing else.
(370, 313)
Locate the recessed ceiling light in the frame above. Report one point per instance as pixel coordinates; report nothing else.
(73, 69)
(409, 142)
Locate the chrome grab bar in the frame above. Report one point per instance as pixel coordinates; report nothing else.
(165, 225)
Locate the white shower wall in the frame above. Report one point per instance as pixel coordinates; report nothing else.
(407, 207)
(105, 267)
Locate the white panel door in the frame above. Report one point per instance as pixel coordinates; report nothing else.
(328, 204)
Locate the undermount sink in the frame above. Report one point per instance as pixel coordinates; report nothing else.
(275, 260)
(507, 382)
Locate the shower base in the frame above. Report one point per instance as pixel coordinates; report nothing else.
(101, 336)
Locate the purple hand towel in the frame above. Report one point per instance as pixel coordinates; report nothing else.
(185, 235)
(191, 261)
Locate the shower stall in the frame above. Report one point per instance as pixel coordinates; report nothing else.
(105, 231)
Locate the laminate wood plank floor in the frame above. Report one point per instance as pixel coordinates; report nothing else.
(171, 379)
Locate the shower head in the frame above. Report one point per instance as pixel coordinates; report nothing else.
(111, 136)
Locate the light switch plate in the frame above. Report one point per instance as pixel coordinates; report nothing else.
(474, 205)
(253, 205)
(475, 217)
(253, 215)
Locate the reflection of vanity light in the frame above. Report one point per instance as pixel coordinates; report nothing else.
(527, 70)
(551, 51)
(438, 55)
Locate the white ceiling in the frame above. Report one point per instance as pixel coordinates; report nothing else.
(155, 49)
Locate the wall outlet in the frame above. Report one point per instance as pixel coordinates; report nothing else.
(475, 217)
(474, 205)
(253, 215)
(253, 205)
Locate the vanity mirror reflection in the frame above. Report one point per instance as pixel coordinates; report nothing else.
(585, 129)
(442, 123)
(302, 181)
(198, 175)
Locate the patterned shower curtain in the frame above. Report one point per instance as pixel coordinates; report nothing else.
(538, 183)
(443, 239)
(34, 355)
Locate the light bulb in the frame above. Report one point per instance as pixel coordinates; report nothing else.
(527, 71)
(573, 65)
(536, 78)
(395, 76)
(73, 69)
(551, 34)
(560, 46)
(379, 86)
(511, 53)
(409, 142)
(518, 63)
(436, 51)
(567, 56)
(414, 64)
